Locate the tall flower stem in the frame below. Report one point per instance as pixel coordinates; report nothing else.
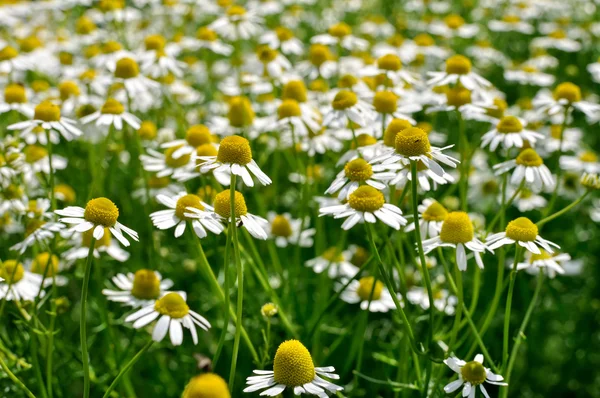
(82, 320)
(240, 287)
(52, 193)
(511, 287)
(464, 161)
(126, 368)
(559, 172)
(563, 211)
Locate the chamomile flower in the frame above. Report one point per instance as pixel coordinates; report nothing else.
(529, 75)
(195, 136)
(336, 262)
(112, 113)
(375, 298)
(443, 301)
(558, 40)
(47, 116)
(238, 24)
(18, 283)
(165, 164)
(457, 231)
(290, 115)
(471, 374)
(357, 172)
(127, 71)
(11, 61)
(565, 96)
(390, 66)
(346, 107)
(47, 266)
(549, 263)
(206, 383)
(293, 369)
(510, 133)
(80, 246)
(138, 289)
(524, 232)
(286, 230)
(15, 99)
(458, 70)
(453, 25)
(584, 161)
(37, 230)
(510, 23)
(431, 216)
(388, 106)
(366, 204)
(172, 312)
(207, 38)
(562, 139)
(424, 174)
(528, 200)
(99, 214)
(184, 208)
(234, 157)
(530, 167)
(37, 160)
(282, 38)
(222, 207)
(341, 34)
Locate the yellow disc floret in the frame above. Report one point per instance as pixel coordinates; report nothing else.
(7, 53)
(15, 94)
(47, 112)
(567, 91)
(457, 228)
(412, 141)
(86, 239)
(385, 102)
(509, 124)
(458, 65)
(318, 54)
(529, 158)
(280, 226)
(146, 285)
(458, 96)
(473, 372)
(198, 134)
(155, 42)
(522, 229)
(296, 90)
(365, 287)
(222, 204)
(269, 310)
(181, 161)
(101, 211)
(127, 68)
(366, 198)
(343, 100)
(240, 112)
(34, 153)
(112, 107)
(172, 305)
(339, 30)
(358, 170)
(289, 108)
(207, 385)
(333, 255)
(435, 212)
(45, 264)
(147, 130)
(392, 129)
(389, 62)
(235, 149)
(293, 365)
(189, 200)
(11, 271)
(68, 89)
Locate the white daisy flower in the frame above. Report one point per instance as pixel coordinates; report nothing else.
(510, 23)
(457, 231)
(166, 164)
(127, 71)
(585, 161)
(18, 283)
(37, 230)
(336, 263)
(424, 174)
(471, 374)
(255, 225)
(529, 75)
(443, 301)
(453, 25)
(357, 172)
(112, 113)
(80, 246)
(47, 266)
(458, 70)
(390, 66)
(565, 96)
(37, 160)
(282, 38)
(235, 157)
(174, 313)
(528, 200)
(341, 34)
(557, 40)
(293, 369)
(374, 298)
(185, 207)
(138, 289)
(524, 232)
(11, 61)
(99, 214)
(292, 115)
(47, 115)
(530, 167)
(510, 133)
(346, 107)
(15, 99)
(431, 216)
(238, 24)
(549, 263)
(286, 230)
(366, 204)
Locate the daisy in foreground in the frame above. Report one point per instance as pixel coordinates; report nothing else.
(174, 312)
(139, 289)
(99, 213)
(47, 115)
(458, 70)
(293, 368)
(373, 298)
(112, 113)
(366, 204)
(471, 374)
(523, 231)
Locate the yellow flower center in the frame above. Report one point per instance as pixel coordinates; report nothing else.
(33, 225)
(12, 192)
(347, 81)
(207, 385)
(268, 310)
(127, 68)
(333, 255)
(101, 211)
(490, 187)
(266, 54)
(11, 271)
(556, 131)
(319, 85)
(289, 108)
(389, 62)
(458, 96)
(65, 58)
(65, 192)
(189, 200)
(86, 239)
(47, 112)
(283, 34)
(172, 305)
(205, 150)
(84, 26)
(45, 264)
(396, 40)
(296, 90)
(155, 182)
(318, 54)
(366, 198)
(435, 212)
(91, 51)
(147, 130)
(558, 34)
(340, 30)
(385, 102)
(454, 21)
(293, 365)
(424, 40)
(173, 163)
(358, 170)
(15, 94)
(474, 373)
(155, 42)
(112, 107)
(395, 126)
(365, 286)
(457, 228)
(343, 100)
(207, 194)
(522, 229)
(360, 256)
(198, 134)
(222, 204)
(280, 226)
(529, 158)
(236, 11)
(240, 112)
(7, 53)
(509, 124)
(146, 285)
(412, 141)
(458, 65)
(111, 47)
(235, 149)
(511, 19)
(34, 153)
(364, 140)
(588, 157)
(206, 34)
(29, 44)
(567, 91)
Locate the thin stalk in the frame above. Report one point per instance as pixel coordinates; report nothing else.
(226, 298)
(563, 211)
(559, 172)
(52, 193)
(15, 379)
(511, 286)
(82, 320)
(126, 368)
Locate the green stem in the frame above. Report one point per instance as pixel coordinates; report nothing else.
(52, 193)
(126, 368)
(511, 286)
(460, 295)
(15, 379)
(563, 211)
(226, 299)
(559, 172)
(82, 320)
